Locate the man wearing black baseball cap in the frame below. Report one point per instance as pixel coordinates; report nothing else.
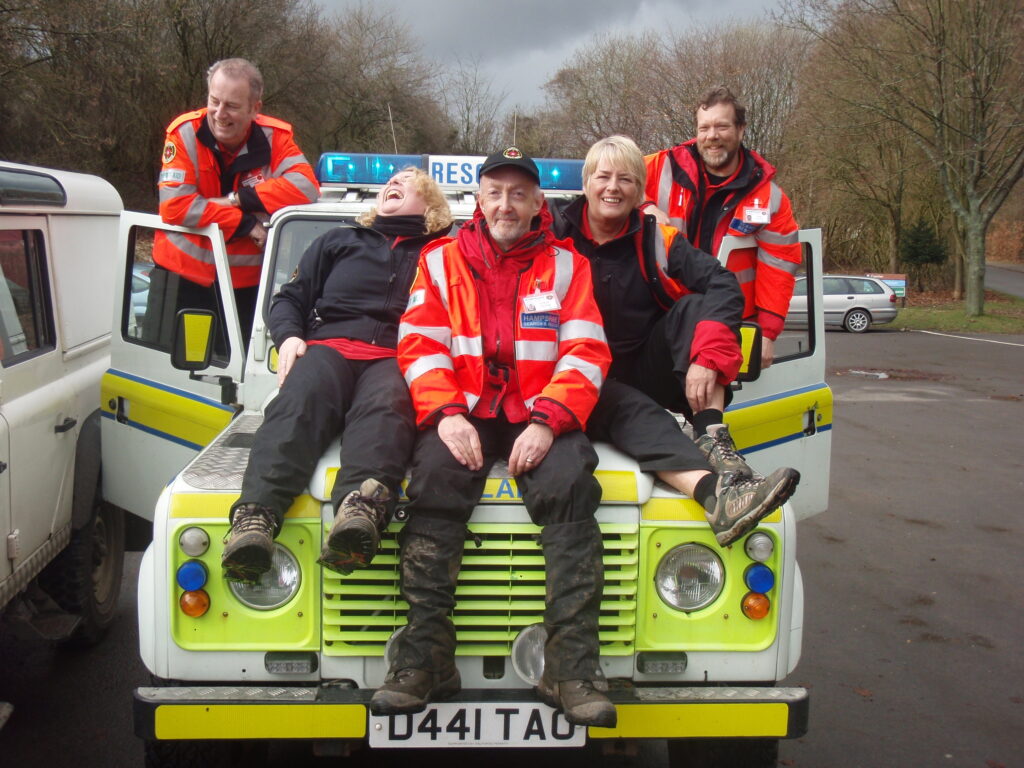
(504, 353)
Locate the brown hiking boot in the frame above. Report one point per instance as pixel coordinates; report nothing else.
(410, 690)
(355, 534)
(741, 504)
(580, 701)
(719, 449)
(249, 545)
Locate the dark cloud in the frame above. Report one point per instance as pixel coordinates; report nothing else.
(521, 45)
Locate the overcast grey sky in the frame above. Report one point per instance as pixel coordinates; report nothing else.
(532, 38)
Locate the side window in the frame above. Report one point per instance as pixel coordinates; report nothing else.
(26, 318)
(866, 286)
(796, 339)
(833, 286)
(153, 297)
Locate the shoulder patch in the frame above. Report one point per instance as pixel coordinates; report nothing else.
(169, 152)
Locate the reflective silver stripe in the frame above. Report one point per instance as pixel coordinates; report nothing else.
(473, 346)
(581, 329)
(289, 162)
(660, 252)
(774, 198)
(665, 185)
(194, 215)
(187, 132)
(304, 185)
(563, 272)
(535, 351)
(763, 257)
(181, 190)
(589, 370)
(426, 364)
(180, 241)
(442, 334)
(435, 268)
(745, 275)
(530, 401)
(779, 238)
(471, 399)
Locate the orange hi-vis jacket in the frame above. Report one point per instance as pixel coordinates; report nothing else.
(560, 354)
(268, 173)
(678, 185)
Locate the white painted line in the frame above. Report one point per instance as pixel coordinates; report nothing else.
(971, 338)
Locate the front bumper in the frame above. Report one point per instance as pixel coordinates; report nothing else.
(327, 712)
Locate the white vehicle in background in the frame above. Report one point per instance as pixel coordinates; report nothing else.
(60, 576)
(694, 638)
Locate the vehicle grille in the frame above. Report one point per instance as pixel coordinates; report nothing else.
(500, 591)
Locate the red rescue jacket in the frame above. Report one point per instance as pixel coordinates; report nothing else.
(678, 185)
(268, 173)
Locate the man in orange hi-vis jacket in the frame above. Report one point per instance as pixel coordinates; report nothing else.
(504, 352)
(229, 165)
(712, 186)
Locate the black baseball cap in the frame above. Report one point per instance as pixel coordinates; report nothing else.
(513, 157)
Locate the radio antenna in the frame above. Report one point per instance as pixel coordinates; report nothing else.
(391, 120)
(515, 122)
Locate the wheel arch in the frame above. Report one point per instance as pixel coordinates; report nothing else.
(87, 471)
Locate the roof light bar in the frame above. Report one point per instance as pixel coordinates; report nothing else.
(448, 170)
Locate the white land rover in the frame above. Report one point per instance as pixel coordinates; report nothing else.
(60, 575)
(695, 639)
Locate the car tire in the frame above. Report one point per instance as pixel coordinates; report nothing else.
(857, 320)
(85, 579)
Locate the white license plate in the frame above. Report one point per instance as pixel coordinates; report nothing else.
(525, 724)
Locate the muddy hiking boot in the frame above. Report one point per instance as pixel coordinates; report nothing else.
(423, 663)
(583, 702)
(741, 504)
(249, 545)
(720, 451)
(355, 534)
(572, 681)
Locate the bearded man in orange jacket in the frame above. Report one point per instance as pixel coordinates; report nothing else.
(504, 352)
(229, 165)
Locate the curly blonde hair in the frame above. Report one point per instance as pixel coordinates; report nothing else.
(438, 215)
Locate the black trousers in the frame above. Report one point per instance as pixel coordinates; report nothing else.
(659, 368)
(561, 489)
(326, 394)
(641, 428)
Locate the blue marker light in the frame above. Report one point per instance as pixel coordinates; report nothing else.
(759, 578)
(192, 575)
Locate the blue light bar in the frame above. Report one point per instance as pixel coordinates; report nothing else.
(448, 170)
(358, 168)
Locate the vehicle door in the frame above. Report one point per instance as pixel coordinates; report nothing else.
(38, 407)
(156, 418)
(837, 298)
(784, 418)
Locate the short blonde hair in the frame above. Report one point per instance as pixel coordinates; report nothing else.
(438, 215)
(621, 152)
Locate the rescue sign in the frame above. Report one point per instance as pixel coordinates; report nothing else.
(454, 170)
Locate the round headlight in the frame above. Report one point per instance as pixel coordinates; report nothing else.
(528, 653)
(690, 577)
(275, 587)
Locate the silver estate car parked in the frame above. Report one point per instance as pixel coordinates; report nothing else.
(852, 302)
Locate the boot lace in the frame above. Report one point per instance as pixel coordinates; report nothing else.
(254, 518)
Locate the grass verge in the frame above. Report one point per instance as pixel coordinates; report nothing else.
(1003, 314)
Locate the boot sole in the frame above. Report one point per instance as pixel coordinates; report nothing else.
(410, 705)
(773, 501)
(246, 564)
(350, 546)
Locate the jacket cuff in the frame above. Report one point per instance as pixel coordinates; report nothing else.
(715, 346)
(771, 324)
(244, 227)
(552, 415)
(249, 200)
